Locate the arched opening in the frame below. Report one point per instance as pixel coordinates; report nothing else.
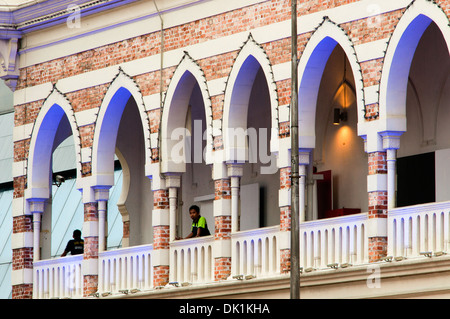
(339, 161)
(118, 161)
(328, 118)
(258, 192)
(184, 152)
(136, 201)
(248, 121)
(52, 172)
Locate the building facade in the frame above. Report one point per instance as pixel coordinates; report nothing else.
(192, 99)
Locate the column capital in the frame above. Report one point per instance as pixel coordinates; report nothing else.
(37, 205)
(391, 139)
(235, 169)
(172, 180)
(303, 156)
(101, 193)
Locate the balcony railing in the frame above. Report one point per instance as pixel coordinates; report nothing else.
(418, 230)
(412, 231)
(256, 252)
(60, 277)
(192, 261)
(339, 240)
(126, 269)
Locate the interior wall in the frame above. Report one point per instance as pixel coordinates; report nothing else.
(130, 142)
(428, 107)
(339, 148)
(197, 185)
(259, 118)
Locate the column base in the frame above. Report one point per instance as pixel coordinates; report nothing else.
(285, 261)
(90, 284)
(377, 248)
(222, 268)
(24, 291)
(160, 275)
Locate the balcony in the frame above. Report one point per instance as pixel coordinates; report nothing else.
(58, 278)
(414, 232)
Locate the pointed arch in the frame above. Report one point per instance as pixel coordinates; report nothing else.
(399, 54)
(187, 74)
(250, 58)
(43, 142)
(310, 70)
(121, 89)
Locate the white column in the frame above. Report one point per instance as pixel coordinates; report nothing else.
(234, 204)
(391, 143)
(36, 235)
(173, 212)
(37, 208)
(101, 226)
(391, 172)
(235, 172)
(301, 189)
(173, 181)
(102, 196)
(303, 162)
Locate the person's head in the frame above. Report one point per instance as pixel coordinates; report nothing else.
(194, 212)
(77, 233)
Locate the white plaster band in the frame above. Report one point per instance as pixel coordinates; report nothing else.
(222, 248)
(90, 266)
(161, 257)
(21, 276)
(284, 238)
(90, 229)
(22, 240)
(377, 183)
(377, 227)
(284, 197)
(160, 217)
(222, 207)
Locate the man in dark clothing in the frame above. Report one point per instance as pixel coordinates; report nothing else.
(76, 245)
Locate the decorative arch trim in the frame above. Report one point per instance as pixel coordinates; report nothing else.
(54, 108)
(419, 14)
(237, 92)
(122, 87)
(186, 75)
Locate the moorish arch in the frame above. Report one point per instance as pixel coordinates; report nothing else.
(187, 75)
(55, 122)
(121, 89)
(310, 71)
(399, 55)
(250, 60)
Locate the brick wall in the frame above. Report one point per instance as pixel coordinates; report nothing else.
(222, 229)
(219, 66)
(161, 237)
